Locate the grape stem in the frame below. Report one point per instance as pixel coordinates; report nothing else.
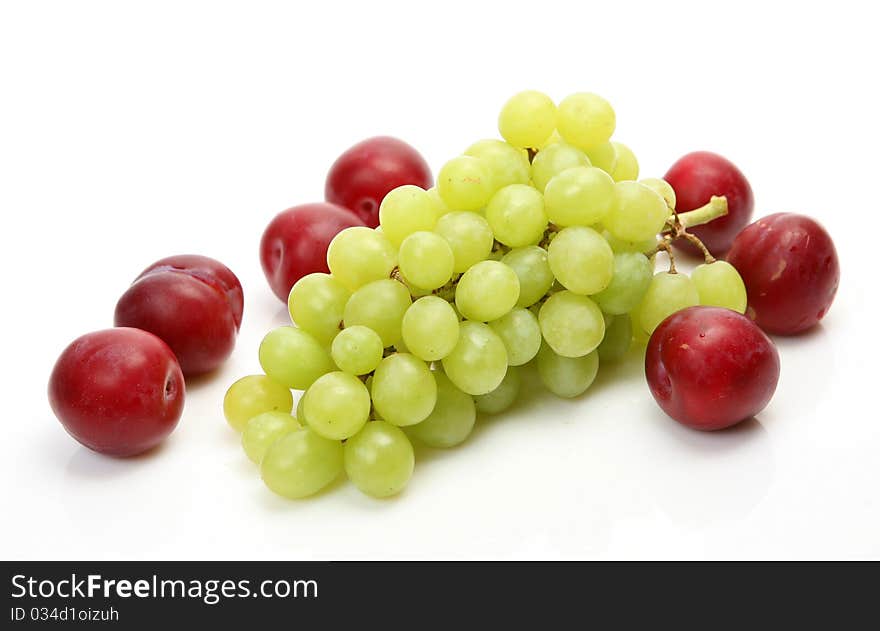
(717, 207)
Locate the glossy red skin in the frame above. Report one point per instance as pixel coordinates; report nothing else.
(710, 368)
(194, 303)
(119, 391)
(789, 265)
(362, 176)
(698, 176)
(295, 243)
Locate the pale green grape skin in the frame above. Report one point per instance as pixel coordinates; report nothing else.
(437, 203)
(640, 213)
(487, 291)
(426, 260)
(263, 430)
(532, 268)
(405, 210)
(662, 188)
(506, 164)
(603, 156)
(619, 245)
(293, 358)
(618, 338)
(300, 413)
(666, 294)
(580, 196)
(464, 183)
(632, 275)
(571, 324)
(380, 306)
(521, 334)
(430, 328)
(316, 303)
(555, 159)
(527, 119)
(581, 260)
(502, 397)
(404, 390)
(253, 395)
(357, 350)
(585, 120)
(452, 419)
(627, 167)
(566, 377)
(478, 362)
(337, 405)
(359, 255)
(516, 215)
(640, 335)
(469, 236)
(301, 463)
(720, 285)
(379, 460)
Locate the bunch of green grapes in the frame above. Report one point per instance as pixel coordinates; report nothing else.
(535, 249)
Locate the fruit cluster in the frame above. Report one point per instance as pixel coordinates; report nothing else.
(121, 391)
(538, 248)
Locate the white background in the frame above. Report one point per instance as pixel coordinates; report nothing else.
(132, 131)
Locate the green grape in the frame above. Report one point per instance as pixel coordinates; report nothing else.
(478, 362)
(555, 159)
(253, 395)
(585, 120)
(603, 156)
(430, 328)
(379, 459)
(316, 303)
(379, 305)
(533, 271)
(566, 377)
(632, 275)
(404, 390)
(527, 119)
(337, 405)
(357, 350)
(439, 206)
(426, 260)
(293, 358)
(581, 260)
(580, 196)
(300, 410)
(487, 291)
(521, 334)
(263, 430)
(506, 164)
(627, 166)
(358, 255)
(452, 419)
(404, 210)
(571, 324)
(552, 140)
(618, 338)
(469, 236)
(301, 463)
(502, 397)
(666, 294)
(639, 214)
(464, 183)
(662, 188)
(619, 245)
(640, 335)
(720, 285)
(516, 215)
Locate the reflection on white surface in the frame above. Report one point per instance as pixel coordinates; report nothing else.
(699, 478)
